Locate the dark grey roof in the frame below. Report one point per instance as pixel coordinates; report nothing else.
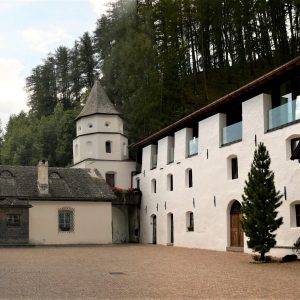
(73, 184)
(97, 103)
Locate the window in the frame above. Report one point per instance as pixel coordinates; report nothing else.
(294, 144)
(5, 173)
(107, 124)
(54, 175)
(90, 125)
(189, 178)
(234, 168)
(76, 150)
(170, 182)
(108, 146)
(110, 179)
(138, 183)
(297, 208)
(13, 220)
(153, 186)
(190, 221)
(124, 149)
(66, 219)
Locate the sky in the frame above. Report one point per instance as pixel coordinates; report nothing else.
(29, 30)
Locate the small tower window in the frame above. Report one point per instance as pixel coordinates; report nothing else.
(110, 179)
(108, 146)
(107, 124)
(90, 125)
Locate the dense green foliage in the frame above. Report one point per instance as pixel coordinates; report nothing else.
(158, 61)
(260, 204)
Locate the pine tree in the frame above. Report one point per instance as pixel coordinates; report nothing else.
(261, 201)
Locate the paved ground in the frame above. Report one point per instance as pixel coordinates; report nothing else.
(148, 272)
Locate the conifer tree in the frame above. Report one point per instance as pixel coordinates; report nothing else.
(260, 203)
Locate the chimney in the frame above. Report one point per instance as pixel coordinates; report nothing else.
(43, 184)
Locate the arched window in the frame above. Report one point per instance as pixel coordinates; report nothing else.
(108, 146)
(66, 219)
(153, 186)
(189, 216)
(6, 173)
(54, 175)
(188, 178)
(170, 182)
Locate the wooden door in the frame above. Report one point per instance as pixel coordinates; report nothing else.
(154, 229)
(236, 231)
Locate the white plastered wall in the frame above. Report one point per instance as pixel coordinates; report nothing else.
(92, 223)
(213, 191)
(122, 170)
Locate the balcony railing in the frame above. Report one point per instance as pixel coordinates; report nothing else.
(232, 133)
(193, 146)
(153, 161)
(171, 155)
(284, 114)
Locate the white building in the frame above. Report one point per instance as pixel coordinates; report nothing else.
(100, 141)
(100, 144)
(194, 171)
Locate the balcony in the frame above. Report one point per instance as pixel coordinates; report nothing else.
(193, 146)
(232, 133)
(284, 114)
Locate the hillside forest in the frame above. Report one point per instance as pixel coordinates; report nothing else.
(158, 61)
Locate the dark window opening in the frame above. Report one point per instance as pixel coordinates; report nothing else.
(138, 183)
(171, 182)
(294, 144)
(190, 178)
(13, 220)
(234, 168)
(297, 207)
(190, 226)
(108, 147)
(110, 179)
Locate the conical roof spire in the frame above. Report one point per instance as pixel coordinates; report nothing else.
(97, 103)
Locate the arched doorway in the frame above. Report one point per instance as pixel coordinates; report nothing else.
(236, 231)
(170, 223)
(154, 240)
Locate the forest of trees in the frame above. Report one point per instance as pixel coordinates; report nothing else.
(158, 60)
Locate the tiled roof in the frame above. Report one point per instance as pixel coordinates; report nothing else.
(97, 103)
(67, 184)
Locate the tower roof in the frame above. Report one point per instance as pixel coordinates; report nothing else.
(97, 103)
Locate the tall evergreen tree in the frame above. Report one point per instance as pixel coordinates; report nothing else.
(260, 204)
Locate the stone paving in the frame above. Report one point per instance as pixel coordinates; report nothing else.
(141, 272)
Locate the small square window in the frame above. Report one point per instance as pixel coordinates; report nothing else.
(13, 220)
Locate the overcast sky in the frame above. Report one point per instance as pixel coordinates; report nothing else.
(29, 30)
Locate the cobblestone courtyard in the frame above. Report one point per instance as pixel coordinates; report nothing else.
(141, 271)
